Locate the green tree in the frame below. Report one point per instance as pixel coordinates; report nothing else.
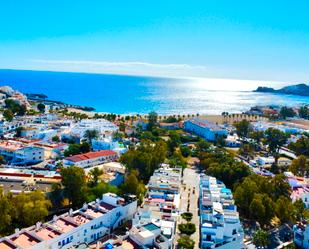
(187, 228)
(30, 208)
(132, 185)
(15, 107)
(260, 239)
(275, 139)
(152, 120)
(102, 188)
(56, 195)
(257, 136)
(187, 216)
(286, 112)
(75, 149)
(94, 176)
(300, 212)
(91, 134)
(145, 158)
(262, 208)
(18, 131)
(284, 209)
(185, 151)
(74, 183)
(244, 194)
(8, 115)
(301, 146)
(203, 146)
(5, 213)
(281, 186)
(56, 139)
(41, 107)
(173, 142)
(243, 128)
(300, 166)
(185, 242)
(304, 112)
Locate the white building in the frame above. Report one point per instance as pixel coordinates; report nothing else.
(262, 161)
(91, 159)
(220, 226)
(77, 130)
(6, 126)
(205, 129)
(17, 153)
(74, 228)
(154, 224)
(107, 143)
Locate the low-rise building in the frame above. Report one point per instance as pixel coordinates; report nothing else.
(220, 226)
(91, 159)
(17, 153)
(154, 224)
(83, 226)
(208, 130)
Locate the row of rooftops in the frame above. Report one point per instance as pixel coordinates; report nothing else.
(216, 199)
(165, 178)
(91, 155)
(28, 237)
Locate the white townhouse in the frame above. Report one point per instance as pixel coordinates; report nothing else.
(86, 225)
(220, 226)
(17, 153)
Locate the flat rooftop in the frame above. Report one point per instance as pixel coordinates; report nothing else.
(46, 233)
(25, 240)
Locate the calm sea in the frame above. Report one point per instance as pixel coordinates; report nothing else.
(133, 94)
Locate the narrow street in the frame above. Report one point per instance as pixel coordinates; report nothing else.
(189, 196)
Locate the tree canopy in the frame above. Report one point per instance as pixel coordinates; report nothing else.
(145, 158)
(243, 128)
(74, 183)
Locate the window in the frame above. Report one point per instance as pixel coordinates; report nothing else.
(234, 231)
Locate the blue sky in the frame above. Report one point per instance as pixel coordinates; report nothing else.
(261, 40)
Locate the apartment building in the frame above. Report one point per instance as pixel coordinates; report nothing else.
(208, 130)
(17, 153)
(220, 226)
(86, 225)
(154, 224)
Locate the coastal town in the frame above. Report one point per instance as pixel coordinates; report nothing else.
(74, 178)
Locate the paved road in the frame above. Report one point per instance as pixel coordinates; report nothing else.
(190, 196)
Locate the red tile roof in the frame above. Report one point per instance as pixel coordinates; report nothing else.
(91, 155)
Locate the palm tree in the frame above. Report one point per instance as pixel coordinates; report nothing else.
(91, 134)
(94, 175)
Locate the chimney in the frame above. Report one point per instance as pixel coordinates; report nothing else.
(38, 225)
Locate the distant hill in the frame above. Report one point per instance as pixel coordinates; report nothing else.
(299, 89)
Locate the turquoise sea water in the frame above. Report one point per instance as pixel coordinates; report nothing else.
(132, 94)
